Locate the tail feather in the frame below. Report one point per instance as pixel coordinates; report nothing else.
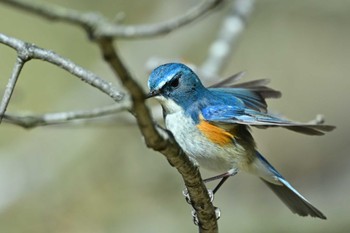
(289, 195)
(294, 201)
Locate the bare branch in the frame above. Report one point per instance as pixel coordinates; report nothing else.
(176, 157)
(10, 87)
(222, 47)
(28, 51)
(31, 121)
(51, 11)
(98, 26)
(149, 30)
(231, 29)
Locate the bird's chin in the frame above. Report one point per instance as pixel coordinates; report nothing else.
(168, 104)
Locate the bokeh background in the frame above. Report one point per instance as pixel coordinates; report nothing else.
(100, 177)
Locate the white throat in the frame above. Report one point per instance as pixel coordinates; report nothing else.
(169, 105)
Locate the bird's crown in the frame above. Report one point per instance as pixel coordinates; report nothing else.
(168, 74)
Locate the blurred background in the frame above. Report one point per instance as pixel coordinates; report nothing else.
(100, 177)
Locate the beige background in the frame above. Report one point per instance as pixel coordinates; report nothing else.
(100, 177)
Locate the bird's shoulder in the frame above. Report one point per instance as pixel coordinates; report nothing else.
(211, 99)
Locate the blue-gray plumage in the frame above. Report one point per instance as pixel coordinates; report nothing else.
(212, 124)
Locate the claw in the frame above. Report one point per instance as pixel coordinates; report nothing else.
(195, 218)
(211, 195)
(187, 196)
(188, 199)
(217, 213)
(193, 212)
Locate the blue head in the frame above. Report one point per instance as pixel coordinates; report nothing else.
(175, 86)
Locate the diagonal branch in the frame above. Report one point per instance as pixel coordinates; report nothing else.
(27, 51)
(227, 38)
(98, 26)
(222, 47)
(176, 157)
(10, 87)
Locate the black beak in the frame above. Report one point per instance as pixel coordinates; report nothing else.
(152, 94)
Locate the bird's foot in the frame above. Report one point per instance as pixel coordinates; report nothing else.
(193, 212)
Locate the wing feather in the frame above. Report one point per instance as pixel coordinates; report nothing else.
(224, 114)
(252, 93)
(254, 112)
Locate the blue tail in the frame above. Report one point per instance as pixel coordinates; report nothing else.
(289, 195)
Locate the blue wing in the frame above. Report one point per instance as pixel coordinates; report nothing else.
(251, 93)
(251, 99)
(226, 114)
(244, 103)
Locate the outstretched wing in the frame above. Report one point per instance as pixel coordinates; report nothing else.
(224, 114)
(252, 93)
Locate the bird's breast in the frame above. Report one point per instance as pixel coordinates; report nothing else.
(211, 146)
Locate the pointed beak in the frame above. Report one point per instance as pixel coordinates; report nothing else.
(152, 94)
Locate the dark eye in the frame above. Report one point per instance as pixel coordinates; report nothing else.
(175, 82)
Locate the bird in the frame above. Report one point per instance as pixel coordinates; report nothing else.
(212, 126)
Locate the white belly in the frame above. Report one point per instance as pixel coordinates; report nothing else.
(208, 154)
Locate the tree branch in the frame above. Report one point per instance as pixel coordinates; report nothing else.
(99, 27)
(31, 121)
(222, 47)
(30, 51)
(27, 51)
(10, 87)
(176, 157)
(231, 29)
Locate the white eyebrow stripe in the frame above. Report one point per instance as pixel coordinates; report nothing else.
(164, 81)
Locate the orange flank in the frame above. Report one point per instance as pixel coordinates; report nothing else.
(215, 134)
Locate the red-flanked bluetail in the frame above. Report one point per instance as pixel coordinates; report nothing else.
(211, 125)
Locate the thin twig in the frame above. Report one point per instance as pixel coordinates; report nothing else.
(165, 27)
(30, 121)
(27, 51)
(176, 157)
(231, 29)
(98, 26)
(10, 87)
(222, 47)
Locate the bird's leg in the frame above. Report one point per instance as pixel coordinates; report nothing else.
(222, 181)
(223, 178)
